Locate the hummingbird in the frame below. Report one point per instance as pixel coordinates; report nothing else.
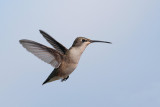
(62, 59)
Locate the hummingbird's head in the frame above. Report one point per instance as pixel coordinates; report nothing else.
(79, 41)
(80, 44)
(84, 42)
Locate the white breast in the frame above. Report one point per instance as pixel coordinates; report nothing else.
(74, 55)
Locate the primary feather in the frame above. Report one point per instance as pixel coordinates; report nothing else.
(59, 47)
(45, 53)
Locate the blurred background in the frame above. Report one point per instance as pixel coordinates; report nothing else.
(123, 74)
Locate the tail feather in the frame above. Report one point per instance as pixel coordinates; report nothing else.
(52, 77)
(45, 81)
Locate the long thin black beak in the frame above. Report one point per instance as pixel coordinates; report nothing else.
(92, 41)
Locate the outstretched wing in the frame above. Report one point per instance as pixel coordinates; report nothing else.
(45, 53)
(59, 47)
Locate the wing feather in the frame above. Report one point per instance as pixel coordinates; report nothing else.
(59, 47)
(45, 53)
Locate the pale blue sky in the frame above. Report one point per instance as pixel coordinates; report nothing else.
(124, 74)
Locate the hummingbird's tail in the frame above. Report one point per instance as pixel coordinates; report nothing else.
(52, 77)
(45, 81)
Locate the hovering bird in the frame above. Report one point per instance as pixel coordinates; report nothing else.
(62, 59)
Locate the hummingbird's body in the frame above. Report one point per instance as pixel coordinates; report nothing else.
(64, 60)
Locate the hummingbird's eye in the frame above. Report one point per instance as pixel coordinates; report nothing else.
(83, 40)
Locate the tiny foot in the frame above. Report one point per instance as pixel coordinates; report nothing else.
(64, 79)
